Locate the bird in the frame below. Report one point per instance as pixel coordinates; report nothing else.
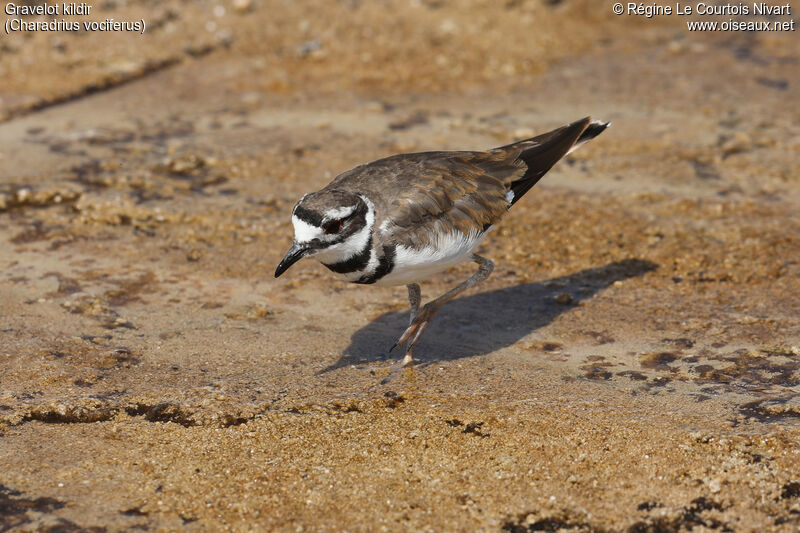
(405, 218)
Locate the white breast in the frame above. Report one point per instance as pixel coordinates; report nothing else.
(411, 265)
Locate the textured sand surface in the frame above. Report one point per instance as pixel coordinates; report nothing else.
(633, 364)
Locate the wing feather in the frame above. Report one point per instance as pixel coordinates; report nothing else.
(419, 196)
(422, 195)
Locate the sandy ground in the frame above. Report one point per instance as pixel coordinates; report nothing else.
(633, 363)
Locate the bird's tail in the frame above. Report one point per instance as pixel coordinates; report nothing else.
(595, 128)
(540, 153)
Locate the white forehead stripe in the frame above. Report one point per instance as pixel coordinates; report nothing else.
(303, 231)
(339, 212)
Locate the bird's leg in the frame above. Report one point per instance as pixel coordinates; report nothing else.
(422, 319)
(414, 299)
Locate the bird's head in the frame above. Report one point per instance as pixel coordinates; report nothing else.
(330, 224)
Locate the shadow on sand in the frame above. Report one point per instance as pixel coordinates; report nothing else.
(485, 322)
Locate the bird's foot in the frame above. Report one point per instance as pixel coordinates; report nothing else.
(414, 331)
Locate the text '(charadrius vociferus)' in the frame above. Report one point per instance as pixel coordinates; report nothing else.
(402, 219)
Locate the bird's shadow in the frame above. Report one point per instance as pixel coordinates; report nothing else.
(485, 322)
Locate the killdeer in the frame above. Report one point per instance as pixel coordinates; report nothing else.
(402, 219)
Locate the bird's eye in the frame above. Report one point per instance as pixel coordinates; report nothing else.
(332, 227)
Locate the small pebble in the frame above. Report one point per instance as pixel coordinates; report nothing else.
(242, 6)
(564, 298)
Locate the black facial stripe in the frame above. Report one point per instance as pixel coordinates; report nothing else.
(385, 265)
(319, 244)
(316, 244)
(313, 218)
(354, 227)
(358, 262)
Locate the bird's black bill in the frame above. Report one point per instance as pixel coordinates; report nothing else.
(295, 254)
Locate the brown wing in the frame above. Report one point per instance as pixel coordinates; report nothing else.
(424, 194)
(419, 196)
